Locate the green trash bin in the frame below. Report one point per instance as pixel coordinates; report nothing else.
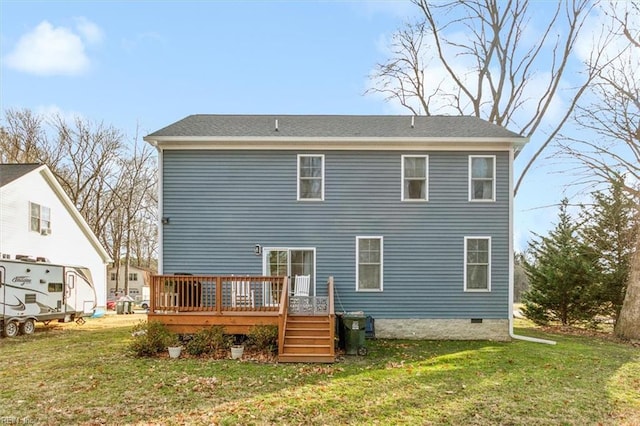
(120, 307)
(354, 333)
(128, 307)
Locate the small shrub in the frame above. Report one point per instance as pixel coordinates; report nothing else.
(208, 341)
(264, 337)
(151, 338)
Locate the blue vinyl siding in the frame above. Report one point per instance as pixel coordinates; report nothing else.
(222, 203)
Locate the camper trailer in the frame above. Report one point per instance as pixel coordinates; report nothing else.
(35, 290)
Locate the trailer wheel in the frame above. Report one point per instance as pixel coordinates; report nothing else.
(28, 327)
(11, 329)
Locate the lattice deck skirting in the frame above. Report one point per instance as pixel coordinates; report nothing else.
(308, 305)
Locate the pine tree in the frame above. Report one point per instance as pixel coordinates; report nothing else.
(609, 231)
(560, 272)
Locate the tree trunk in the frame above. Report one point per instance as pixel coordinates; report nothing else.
(628, 325)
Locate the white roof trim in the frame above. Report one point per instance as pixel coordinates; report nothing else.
(378, 144)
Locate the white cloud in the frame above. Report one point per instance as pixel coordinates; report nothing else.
(49, 50)
(49, 112)
(90, 31)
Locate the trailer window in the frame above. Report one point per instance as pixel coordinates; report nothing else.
(55, 287)
(29, 298)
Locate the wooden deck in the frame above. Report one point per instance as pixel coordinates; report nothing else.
(188, 303)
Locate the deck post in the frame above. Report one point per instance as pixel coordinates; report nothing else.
(152, 294)
(219, 295)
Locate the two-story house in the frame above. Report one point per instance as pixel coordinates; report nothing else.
(38, 220)
(411, 216)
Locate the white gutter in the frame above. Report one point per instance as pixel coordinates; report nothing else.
(512, 267)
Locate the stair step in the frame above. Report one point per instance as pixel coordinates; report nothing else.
(308, 319)
(307, 324)
(307, 316)
(307, 358)
(307, 331)
(306, 349)
(306, 340)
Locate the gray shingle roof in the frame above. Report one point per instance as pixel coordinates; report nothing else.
(11, 172)
(336, 126)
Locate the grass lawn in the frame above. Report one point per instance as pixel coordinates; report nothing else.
(70, 374)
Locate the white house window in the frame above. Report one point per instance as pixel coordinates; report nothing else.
(477, 265)
(40, 218)
(133, 276)
(113, 276)
(482, 181)
(369, 264)
(415, 175)
(311, 177)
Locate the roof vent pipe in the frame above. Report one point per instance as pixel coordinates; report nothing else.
(413, 123)
(276, 124)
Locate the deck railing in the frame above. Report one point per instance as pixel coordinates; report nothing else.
(282, 315)
(215, 294)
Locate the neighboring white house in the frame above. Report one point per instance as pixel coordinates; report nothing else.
(139, 279)
(38, 219)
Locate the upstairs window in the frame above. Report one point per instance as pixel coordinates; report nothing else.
(40, 218)
(113, 276)
(311, 177)
(415, 178)
(133, 276)
(477, 265)
(482, 182)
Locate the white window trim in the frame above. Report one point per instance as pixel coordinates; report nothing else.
(426, 174)
(41, 228)
(493, 191)
(300, 156)
(265, 260)
(477, 290)
(370, 290)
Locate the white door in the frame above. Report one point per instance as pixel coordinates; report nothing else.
(70, 303)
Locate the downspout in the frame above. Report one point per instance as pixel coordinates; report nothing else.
(511, 263)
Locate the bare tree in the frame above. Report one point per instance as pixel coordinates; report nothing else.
(22, 139)
(610, 143)
(87, 164)
(480, 57)
(132, 191)
(111, 184)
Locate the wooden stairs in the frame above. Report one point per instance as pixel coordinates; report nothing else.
(308, 338)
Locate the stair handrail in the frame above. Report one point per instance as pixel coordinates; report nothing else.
(282, 314)
(332, 316)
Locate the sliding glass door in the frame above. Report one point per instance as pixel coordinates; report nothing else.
(291, 262)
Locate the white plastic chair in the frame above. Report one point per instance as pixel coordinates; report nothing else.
(242, 295)
(301, 285)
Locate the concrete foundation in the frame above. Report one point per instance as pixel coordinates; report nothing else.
(442, 329)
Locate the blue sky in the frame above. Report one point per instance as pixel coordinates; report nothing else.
(145, 64)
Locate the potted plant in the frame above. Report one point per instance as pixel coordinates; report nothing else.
(237, 349)
(173, 346)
